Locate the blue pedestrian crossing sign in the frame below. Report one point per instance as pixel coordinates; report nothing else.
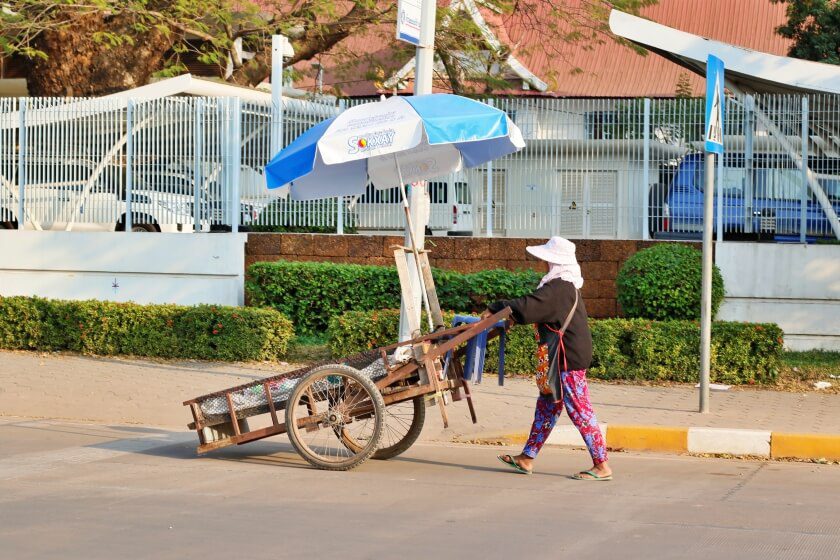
(714, 105)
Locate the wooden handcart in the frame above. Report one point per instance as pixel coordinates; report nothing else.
(337, 415)
(372, 404)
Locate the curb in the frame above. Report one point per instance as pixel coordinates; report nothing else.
(710, 441)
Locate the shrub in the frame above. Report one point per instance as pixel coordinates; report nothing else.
(631, 349)
(311, 293)
(664, 282)
(205, 332)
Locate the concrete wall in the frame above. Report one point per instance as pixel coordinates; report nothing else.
(140, 267)
(600, 260)
(795, 286)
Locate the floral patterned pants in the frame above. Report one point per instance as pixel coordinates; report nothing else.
(576, 400)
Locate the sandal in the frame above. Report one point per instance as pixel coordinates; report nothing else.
(511, 462)
(589, 475)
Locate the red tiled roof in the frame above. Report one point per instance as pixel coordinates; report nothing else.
(607, 70)
(612, 70)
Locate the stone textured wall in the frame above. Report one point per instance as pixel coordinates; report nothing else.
(599, 259)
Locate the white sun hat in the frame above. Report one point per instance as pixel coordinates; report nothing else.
(558, 250)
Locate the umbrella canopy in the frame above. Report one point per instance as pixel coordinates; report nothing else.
(392, 142)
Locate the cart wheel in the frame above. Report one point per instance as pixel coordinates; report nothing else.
(403, 424)
(330, 402)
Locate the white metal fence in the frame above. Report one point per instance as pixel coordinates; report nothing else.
(593, 168)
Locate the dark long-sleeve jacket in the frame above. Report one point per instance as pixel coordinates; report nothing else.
(550, 305)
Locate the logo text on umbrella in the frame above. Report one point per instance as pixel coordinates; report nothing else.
(373, 141)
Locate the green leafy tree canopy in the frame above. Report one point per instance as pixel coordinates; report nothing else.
(814, 27)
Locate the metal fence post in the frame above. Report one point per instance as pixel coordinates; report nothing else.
(749, 168)
(235, 158)
(719, 194)
(803, 203)
(129, 163)
(489, 201)
(22, 163)
(646, 173)
(198, 176)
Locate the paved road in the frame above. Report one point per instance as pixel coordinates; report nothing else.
(70, 490)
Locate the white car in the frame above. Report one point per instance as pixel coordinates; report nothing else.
(450, 208)
(163, 200)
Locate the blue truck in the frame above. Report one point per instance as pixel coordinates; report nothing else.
(761, 198)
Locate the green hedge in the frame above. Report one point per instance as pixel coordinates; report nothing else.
(630, 349)
(311, 293)
(168, 331)
(664, 282)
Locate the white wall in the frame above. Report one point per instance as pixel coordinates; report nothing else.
(186, 269)
(795, 286)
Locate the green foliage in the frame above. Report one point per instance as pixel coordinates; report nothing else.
(637, 349)
(664, 282)
(356, 331)
(205, 332)
(814, 27)
(627, 349)
(311, 293)
(813, 358)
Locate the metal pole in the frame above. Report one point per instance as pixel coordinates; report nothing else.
(719, 185)
(489, 194)
(749, 127)
(22, 164)
(235, 158)
(424, 62)
(129, 163)
(706, 298)
(646, 174)
(803, 203)
(198, 175)
(489, 201)
(278, 47)
(425, 53)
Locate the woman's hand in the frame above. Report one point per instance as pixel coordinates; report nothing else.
(486, 314)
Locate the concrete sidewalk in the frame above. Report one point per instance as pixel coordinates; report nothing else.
(752, 422)
(110, 390)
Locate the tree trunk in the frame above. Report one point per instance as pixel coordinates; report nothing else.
(316, 39)
(76, 65)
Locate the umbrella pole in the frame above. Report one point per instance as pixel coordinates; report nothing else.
(414, 249)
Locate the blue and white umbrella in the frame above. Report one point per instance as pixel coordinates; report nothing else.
(390, 143)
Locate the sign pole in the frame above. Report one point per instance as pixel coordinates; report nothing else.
(706, 297)
(416, 25)
(714, 145)
(278, 43)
